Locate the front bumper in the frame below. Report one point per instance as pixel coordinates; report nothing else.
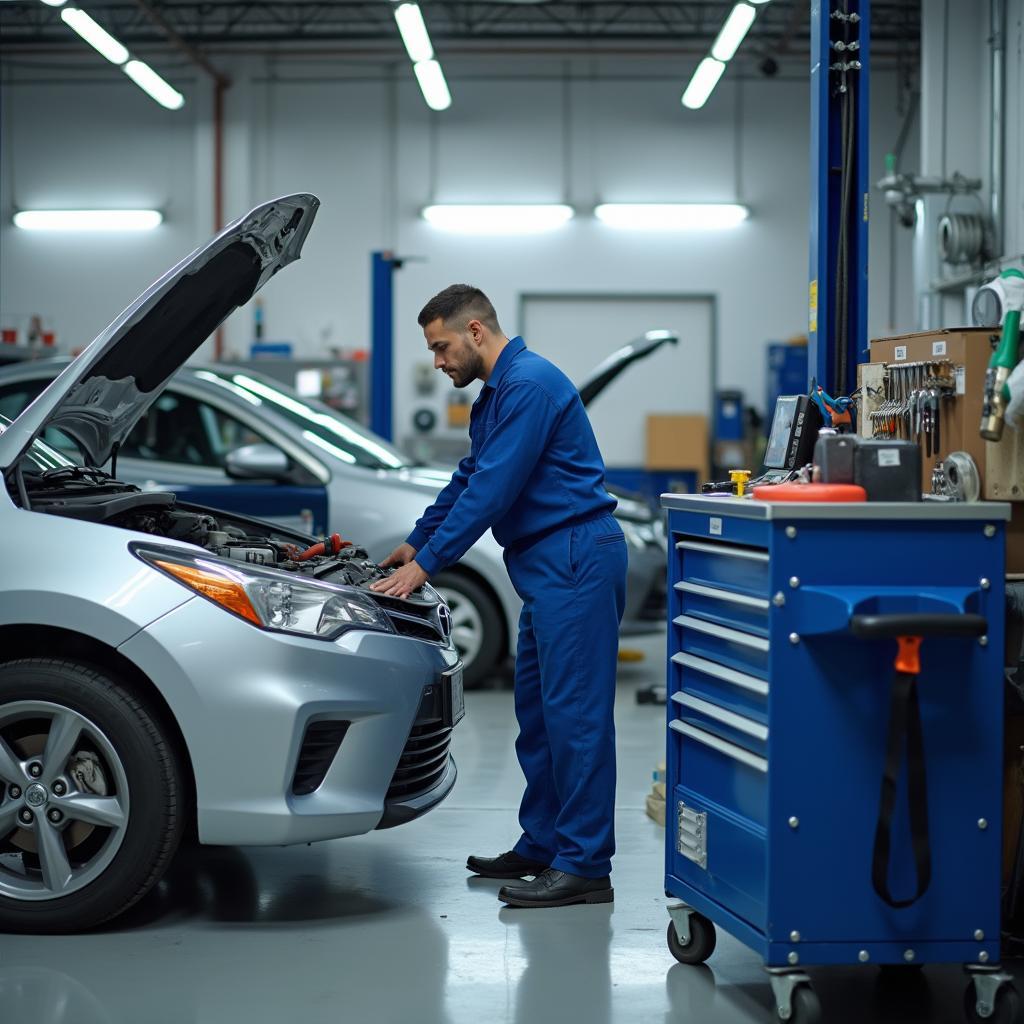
(245, 699)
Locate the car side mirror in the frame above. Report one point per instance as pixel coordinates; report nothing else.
(257, 462)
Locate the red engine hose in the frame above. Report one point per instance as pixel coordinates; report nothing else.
(328, 546)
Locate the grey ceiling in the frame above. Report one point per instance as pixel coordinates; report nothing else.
(593, 26)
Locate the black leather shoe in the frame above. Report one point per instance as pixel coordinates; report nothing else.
(557, 889)
(508, 865)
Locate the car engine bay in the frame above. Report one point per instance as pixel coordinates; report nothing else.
(92, 495)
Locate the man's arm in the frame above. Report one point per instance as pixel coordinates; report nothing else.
(526, 420)
(435, 514)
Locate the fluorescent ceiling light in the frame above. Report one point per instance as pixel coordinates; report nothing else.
(54, 3)
(733, 31)
(703, 83)
(432, 84)
(96, 36)
(87, 220)
(150, 82)
(505, 219)
(672, 216)
(414, 32)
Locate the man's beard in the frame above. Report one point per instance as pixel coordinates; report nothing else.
(473, 368)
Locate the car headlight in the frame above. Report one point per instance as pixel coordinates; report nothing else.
(272, 600)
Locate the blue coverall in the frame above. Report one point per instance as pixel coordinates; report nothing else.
(535, 476)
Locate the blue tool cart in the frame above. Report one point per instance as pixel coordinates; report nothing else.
(798, 723)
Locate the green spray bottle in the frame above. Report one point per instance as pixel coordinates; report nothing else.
(1001, 299)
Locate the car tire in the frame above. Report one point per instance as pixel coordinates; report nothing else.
(121, 765)
(477, 627)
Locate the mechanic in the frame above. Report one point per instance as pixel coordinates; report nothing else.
(535, 476)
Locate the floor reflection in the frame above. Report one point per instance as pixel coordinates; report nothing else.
(564, 949)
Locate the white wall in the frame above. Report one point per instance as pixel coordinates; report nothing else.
(360, 137)
(956, 110)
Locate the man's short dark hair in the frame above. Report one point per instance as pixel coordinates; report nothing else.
(457, 305)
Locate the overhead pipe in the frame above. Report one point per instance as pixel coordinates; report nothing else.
(997, 39)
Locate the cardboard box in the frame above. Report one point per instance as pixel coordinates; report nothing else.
(678, 441)
(655, 809)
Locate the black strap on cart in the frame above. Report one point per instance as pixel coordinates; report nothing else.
(905, 730)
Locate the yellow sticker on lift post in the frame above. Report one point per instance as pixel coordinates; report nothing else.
(813, 319)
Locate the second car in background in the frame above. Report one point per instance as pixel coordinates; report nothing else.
(239, 441)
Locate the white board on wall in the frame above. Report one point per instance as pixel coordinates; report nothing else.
(578, 331)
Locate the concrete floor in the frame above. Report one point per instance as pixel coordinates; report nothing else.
(388, 928)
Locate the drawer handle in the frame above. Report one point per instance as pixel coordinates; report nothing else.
(723, 549)
(760, 603)
(726, 717)
(735, 636)
(722, 746)
(728, 675)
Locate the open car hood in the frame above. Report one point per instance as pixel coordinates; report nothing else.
(104, 392)
(600, 377)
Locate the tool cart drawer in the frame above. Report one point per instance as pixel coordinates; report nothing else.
(727, 723)
(734, 648)
(725, 607)
(743, 570)
(723, 772)
(739, 692)
(719, 853)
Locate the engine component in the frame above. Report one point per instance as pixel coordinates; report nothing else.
(957, 478)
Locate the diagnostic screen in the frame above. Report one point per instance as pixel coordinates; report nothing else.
(782, 430)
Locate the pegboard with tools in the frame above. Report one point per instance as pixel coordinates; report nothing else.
(912, 396)
(897, 401)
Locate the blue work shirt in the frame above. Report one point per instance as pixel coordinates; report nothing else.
(533, 464)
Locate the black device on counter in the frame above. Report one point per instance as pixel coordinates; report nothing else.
(795, 427)
(887, 470)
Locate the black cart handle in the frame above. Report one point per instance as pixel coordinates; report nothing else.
(917, 624)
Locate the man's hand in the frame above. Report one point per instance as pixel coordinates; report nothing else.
(402, 555)
(402, 582)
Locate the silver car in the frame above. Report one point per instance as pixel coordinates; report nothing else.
(238, 440)
(164, 666)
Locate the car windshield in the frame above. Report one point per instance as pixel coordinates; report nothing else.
(321, 425)
(40, 454)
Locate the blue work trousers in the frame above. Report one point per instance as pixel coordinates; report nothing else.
(573, 586)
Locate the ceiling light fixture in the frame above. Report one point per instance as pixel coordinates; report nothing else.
(432, 84)
(87, 220)
(414, 32)
(55, 3)
(672, 216)
(733, 32)
(152, 84)
(95, 35)
(503, 219)
(703, 83)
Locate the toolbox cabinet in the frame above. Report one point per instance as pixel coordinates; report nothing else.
(777, 724)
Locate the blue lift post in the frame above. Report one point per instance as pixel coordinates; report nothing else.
(840, 31)
(383, 267)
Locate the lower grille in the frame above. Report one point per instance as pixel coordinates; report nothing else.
(319, 746)
(425, 757)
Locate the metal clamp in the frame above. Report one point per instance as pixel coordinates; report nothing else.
(784, 981)
(680, 914)
(987, 983)
(692, 835)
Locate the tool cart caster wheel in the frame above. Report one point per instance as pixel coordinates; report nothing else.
(702, 940)
(1005, 1011)
(806, 1007)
